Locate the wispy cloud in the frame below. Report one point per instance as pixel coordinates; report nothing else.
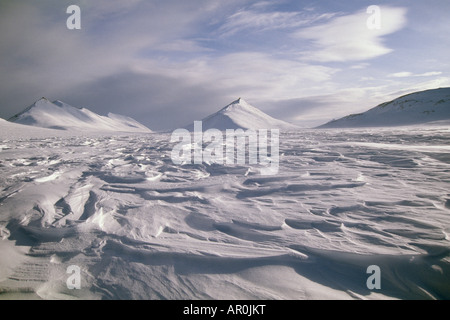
(407, 74)
(347, 38)
(254, 19)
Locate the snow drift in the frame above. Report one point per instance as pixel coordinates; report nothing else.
(415, 108)
(62, 116)
(140, 227)
(241, 115)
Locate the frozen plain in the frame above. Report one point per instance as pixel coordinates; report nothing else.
(140, 227)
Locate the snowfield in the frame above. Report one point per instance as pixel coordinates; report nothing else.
(140, 227)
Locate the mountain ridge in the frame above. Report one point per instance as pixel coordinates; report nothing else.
(62, 116)
(419, 107)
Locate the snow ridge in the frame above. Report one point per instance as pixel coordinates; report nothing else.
(416, 108)
(62, 116)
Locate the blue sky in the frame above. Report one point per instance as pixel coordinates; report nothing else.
(168, 63)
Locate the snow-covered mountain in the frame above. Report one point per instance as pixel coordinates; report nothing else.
(59, 115)
(241, 115)
(415, 108)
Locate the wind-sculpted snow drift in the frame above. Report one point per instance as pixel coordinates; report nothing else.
(141, 227)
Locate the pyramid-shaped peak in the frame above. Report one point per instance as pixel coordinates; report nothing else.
(241, 115)
(239, 101)
(40, 103)
(42, 100)
(238, 104)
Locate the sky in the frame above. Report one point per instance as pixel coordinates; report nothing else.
(169, 63)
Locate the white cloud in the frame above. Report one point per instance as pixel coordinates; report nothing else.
(403, 74)
(347, 38)
(403, 87)
(407, 74)
(360, 66)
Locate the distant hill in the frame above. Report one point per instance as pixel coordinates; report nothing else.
(62, 116)
(415, 108)
(241, 115)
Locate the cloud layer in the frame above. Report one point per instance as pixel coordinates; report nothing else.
(169, 63)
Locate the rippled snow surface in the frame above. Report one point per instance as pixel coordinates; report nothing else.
(140, 227)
